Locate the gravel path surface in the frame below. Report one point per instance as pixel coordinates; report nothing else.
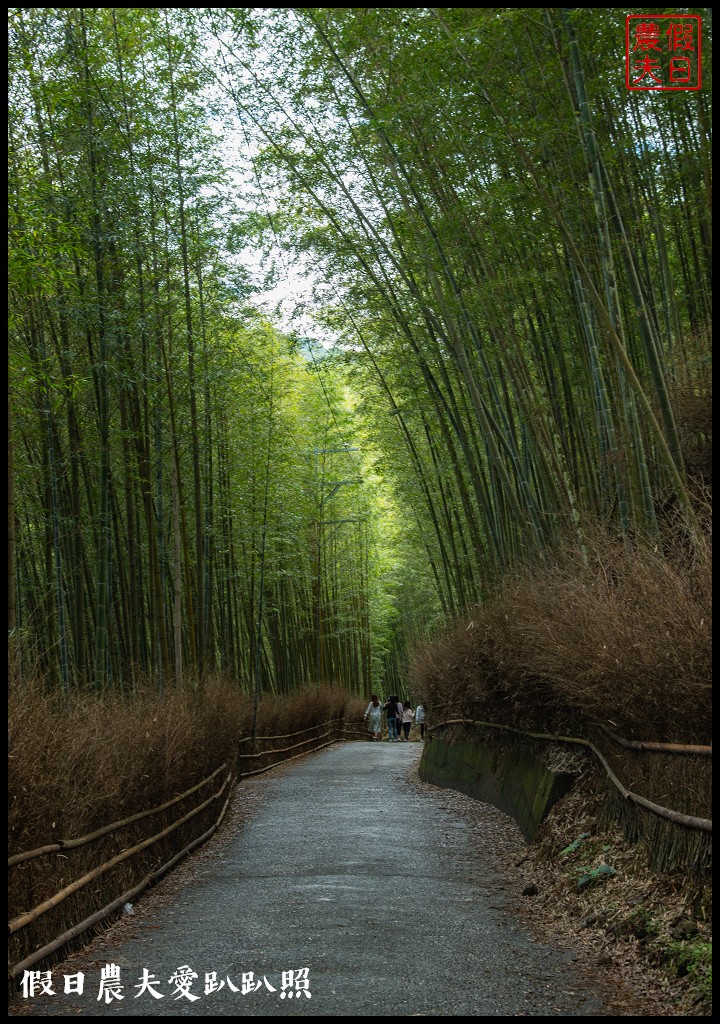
(393, 903)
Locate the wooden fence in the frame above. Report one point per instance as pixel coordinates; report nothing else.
(252, 760)
(107, 879)
(675, 837)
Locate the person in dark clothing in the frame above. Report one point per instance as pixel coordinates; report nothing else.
(390, 709)
(398, 715)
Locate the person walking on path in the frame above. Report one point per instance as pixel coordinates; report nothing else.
(407, 717)
(420, 719)
(390, 708)
(373, 717)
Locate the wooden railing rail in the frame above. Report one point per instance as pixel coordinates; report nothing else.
(32, 915)
(338, 724)
(280, 750)
(687, 820)
(78, 929)
(283, 760)
(73, 844)
(667, 748)
(289, 735)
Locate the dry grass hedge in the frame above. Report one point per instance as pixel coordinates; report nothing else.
(292, 712)
(625, 639)
(78, 764)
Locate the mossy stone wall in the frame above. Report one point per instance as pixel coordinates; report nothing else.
(505, 775)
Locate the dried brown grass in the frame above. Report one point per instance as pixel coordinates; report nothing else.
(625, 639)
(78, 764)
(311, 706)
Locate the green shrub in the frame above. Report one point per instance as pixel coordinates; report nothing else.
(693, 958)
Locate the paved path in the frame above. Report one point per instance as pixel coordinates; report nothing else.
(373, 885)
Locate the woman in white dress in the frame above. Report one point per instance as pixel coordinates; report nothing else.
(373, 717)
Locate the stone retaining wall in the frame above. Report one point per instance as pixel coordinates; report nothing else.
(505, 775)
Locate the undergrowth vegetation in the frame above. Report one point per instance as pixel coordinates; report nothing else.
(78, 764)
(624, 638)
(637, 922)
(692, 959)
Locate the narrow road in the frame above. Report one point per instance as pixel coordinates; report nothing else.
(367, 887)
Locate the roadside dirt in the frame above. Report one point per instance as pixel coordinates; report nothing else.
(579, 924)
(620, 926)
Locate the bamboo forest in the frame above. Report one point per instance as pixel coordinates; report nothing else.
(512, 256)
(351, 351)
